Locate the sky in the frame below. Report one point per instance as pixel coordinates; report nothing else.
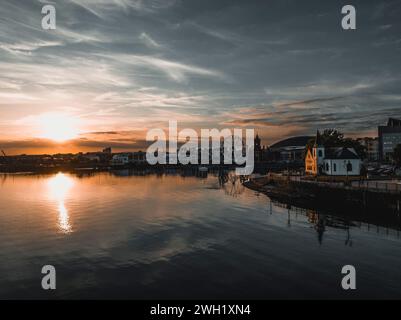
(114, 69)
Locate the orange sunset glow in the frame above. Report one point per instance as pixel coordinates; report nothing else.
(58, 127)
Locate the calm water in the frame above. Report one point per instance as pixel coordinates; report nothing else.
(116, 236)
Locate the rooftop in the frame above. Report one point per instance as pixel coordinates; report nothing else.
(341, 153)
(392, 122)
(299, 141)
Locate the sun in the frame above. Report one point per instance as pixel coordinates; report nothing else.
(58, 127)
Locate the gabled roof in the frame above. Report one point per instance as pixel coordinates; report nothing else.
(341, 153)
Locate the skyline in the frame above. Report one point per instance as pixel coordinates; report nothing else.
(114, 69)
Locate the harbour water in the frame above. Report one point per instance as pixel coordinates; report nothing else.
(125, 235)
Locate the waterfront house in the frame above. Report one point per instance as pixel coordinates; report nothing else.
(139, 158)
(121, 159)
(91, 156)
(338, 161)
(131, 158)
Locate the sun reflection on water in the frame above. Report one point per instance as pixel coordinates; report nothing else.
(59, 186)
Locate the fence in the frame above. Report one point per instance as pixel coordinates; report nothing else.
(371, 185)
(378, 185)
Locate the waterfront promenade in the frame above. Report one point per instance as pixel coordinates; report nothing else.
(374, 185)
(376, 196)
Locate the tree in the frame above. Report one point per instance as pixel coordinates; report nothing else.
(397, 154)
(329, 138)
(358, 147)
(332, 138)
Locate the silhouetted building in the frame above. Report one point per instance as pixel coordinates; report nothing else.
(125, 158)
(389, 138)
(289, 150)
(92, 156)
(103, 157)
(139, 157)
(258, 149)
(372, 147)
(121, 159)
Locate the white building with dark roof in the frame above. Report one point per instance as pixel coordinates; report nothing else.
(339, 161)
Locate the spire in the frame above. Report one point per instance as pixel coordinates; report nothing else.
(318, 140)
(257, 143)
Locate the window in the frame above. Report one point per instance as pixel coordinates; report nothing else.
(320, 153)
(334, 167)
(349, 166)
(327, 167)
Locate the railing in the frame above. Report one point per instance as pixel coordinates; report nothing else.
(370, 185)
(377, 185)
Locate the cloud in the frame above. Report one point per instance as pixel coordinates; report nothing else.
(174, 70)
(151, 43)
(125, 66)
(98, 7)
(251, 123)
(101, 8)
(305, 103)
(103, 132)
(26, 47)
(60, 71)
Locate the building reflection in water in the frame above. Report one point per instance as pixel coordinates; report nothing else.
(319, 223)
(59, 187)
(231, 183)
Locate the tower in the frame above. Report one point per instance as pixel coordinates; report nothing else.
(257, 143)
(318, 150)
(257, 148)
